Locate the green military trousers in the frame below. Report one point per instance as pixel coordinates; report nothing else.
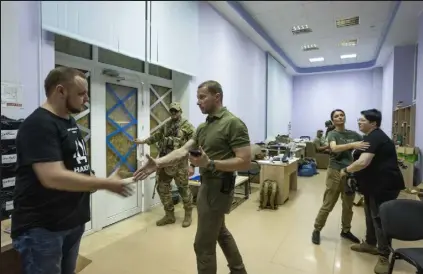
(212, 205)
(334, 188)
(164, 188)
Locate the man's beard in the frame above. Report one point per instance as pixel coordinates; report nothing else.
(71, 109)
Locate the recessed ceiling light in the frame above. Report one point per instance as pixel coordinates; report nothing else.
(310, 47)
(301, 29)
(347, 56)
(348, 22)
(349, 43)
(317, 59)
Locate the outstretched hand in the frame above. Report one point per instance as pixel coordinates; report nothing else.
(118, 186)
(146, 169)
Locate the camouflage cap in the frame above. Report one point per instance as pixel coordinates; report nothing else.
(176, 106)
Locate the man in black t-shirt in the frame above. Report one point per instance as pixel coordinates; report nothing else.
(54, 179)
(379, 180)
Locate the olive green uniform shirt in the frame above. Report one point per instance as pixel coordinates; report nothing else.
(219, 135)
(342, 159)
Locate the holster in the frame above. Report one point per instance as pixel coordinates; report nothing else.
(350, 185)
(228, 182)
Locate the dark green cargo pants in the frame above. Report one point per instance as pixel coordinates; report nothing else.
(212, 205)
(335, 188)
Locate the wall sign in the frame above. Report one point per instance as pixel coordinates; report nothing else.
(11, 95)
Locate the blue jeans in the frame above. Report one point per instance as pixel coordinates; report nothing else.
(47, 252)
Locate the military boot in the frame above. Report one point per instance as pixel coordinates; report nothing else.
(168, 219)
(365, 248)
(382, 266)
(188, 218)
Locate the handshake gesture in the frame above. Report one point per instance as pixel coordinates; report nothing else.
(117, 186)
(140, 141)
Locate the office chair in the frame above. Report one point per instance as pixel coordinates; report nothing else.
(403, 220)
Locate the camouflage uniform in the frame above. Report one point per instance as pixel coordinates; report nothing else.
(173, 135)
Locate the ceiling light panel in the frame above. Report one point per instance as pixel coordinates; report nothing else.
(348, 22)
(348, 56)
(310, 47)
(349, 43)
(301, 29)
(317, 59)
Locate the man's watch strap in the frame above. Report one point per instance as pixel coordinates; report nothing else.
(211, 166)
(191, 165)
(346, 172)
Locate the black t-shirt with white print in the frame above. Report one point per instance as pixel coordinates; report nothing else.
(45, 137)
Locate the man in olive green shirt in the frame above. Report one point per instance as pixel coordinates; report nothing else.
(341, 142)
(223, 147)
(320, 142)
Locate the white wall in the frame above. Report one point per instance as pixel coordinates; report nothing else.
(279, 98)
(388, 95)
(229, 57)
(27, 54)
(315, 96)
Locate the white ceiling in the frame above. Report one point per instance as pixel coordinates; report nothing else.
(277, 19)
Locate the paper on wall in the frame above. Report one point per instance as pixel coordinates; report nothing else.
(11, 95)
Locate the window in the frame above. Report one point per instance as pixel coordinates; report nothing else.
(159, 71)
(121, 124)
(73, 47)
(116, 59)
(160, 99)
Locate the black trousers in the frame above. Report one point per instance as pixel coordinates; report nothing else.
(374, 232)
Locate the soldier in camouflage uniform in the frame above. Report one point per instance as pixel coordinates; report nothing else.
(173, 135)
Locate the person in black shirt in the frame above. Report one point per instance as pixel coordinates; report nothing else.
(54, 179)
(379, 180)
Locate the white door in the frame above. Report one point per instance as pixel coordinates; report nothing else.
(122, 108)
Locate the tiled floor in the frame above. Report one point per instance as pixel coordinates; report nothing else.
(271, 242)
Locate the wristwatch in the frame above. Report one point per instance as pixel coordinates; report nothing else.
(211, 166)
(191, 165)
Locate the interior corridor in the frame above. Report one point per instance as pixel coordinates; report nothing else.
(271, 242)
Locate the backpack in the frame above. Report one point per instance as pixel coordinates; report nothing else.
(268, 195)
(307, 168)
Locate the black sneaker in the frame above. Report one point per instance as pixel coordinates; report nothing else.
(315, 237)
(349, 236)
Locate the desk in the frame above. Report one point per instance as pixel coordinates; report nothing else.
(285, 174)
(238, 181)
(6, 241)
(9, 258)
(299, 152)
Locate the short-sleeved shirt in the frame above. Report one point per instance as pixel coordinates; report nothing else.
(219, 135)
(45, 137)
(319, 142)
(340, 160)
(383, 175)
